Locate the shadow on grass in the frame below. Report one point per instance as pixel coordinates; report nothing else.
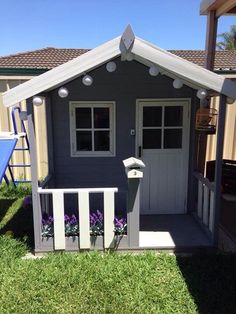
(211, 280)
(21, 224)
(4, 205)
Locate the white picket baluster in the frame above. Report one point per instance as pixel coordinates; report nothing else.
(205, 204)
(58, 215)
(211, 214)
(84, 223)
(109, 212)
(199, 201)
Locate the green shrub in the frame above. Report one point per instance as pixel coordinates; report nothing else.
(10, 191)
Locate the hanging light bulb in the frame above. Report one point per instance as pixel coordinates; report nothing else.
(63, 92)
(201, 93)
(177, 83)
(230, 101)
(37, 101)
(87, 80)
(153, 70)
(111, 66)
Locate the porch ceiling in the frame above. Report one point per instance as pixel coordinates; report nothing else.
(143, 51)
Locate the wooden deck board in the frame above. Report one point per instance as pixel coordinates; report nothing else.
(171, 231)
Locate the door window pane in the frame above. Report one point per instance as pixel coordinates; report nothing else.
(152, 116)
(101, 141)
(84, 140)
(173, 138)
(101, 118)
(83, 118)
(151, 139)
(173, 116)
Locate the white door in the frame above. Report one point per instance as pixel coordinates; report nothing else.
(163, 145)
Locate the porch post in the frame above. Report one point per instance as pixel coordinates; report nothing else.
(34, 179)
(134, 171)
(133, 211)
(218, 168)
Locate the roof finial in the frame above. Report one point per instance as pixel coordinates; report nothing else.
(127, 38)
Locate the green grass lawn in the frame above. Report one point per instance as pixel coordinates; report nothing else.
(106, 283)
(115, 283)
(14, 218)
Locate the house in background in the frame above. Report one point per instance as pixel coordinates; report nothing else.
(126, 98)
(18, 68)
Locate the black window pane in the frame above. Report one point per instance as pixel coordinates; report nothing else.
(173, 138)
(83, 140)
(101, 141)
(151, 139)
(83, 118)
(101, 118)
(173, 116)
(152, 116)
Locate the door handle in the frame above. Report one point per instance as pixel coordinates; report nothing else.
(140, 151)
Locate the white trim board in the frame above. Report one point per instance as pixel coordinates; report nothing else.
(143, 51)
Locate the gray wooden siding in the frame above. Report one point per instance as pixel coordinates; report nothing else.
(128, 83)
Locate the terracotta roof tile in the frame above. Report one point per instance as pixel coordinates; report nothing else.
(48, 58)
(224, 60)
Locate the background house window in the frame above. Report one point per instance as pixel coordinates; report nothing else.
(92, 128)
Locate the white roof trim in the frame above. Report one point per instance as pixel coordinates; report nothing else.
(188, 71)
(63, 73)
(172, 64)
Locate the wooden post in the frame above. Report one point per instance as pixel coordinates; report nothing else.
(210, 45)
(34, 177)
(218, 168)
(133, 212)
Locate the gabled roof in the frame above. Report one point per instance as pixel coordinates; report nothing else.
(49, 58)
(143, 52)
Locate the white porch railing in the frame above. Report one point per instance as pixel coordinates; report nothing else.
(83, 212)
(205, 201)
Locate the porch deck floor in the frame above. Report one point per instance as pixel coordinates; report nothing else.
(171, 231)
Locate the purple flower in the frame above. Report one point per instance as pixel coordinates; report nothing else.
(66, 218)
(50, 220)
(99, 215)
(73, 220)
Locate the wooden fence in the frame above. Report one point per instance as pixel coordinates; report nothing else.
(22, 157)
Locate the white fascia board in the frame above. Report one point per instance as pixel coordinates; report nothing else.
(184, 69)
(63, 73)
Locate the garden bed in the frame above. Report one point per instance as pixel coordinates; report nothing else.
(72, 232)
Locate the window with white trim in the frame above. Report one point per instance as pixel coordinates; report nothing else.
(92, 129)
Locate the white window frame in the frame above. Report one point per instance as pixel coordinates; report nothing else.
(92, 104)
